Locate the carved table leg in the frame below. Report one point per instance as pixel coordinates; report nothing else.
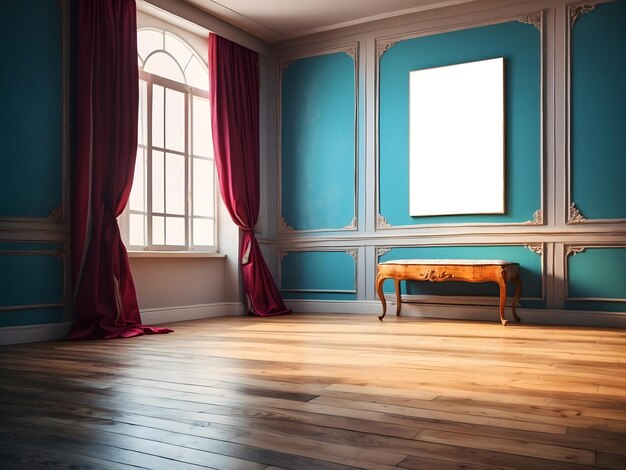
(398, 297)
(518, 293)
(502, 283)
(381, 296)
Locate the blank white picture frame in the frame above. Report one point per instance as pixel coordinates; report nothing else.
(456, 139)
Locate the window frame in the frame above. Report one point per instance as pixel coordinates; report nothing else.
(189, 93)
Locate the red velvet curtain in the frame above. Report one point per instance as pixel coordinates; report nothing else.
(107, 99)
(234, 91)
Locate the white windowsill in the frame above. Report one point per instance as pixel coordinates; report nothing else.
(174, 254)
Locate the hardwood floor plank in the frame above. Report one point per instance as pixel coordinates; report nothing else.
(441, 415)
(561, 417)
(144, 440)
(381, 391)
(616, 462)
(230, 455)
(508, 463)
(436, 452)
(345, 455)
(88, 446)
(542, 451)
(319, 391)
(16, 457)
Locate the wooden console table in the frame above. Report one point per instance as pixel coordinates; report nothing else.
(434, 270)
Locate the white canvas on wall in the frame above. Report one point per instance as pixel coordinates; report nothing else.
(456, 149)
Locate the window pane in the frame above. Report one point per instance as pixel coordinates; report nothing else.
(203, 232)
(157, 116)
(178, 49)
(137, 193)
(197, 75)
(164, 66)
(142, 134)
(202, 137)
(158, 182)
(174, 120)
(175, 184)
(137, 229)
(175, 231)
(203, 184)
(158, 230)
(148, 40)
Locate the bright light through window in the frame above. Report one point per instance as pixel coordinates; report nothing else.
(172, 202)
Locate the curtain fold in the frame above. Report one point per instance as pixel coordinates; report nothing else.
(234, 93)
(105, 300)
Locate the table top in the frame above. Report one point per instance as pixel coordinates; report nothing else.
(450, 262)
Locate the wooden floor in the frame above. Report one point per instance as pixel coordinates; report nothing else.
(319, 392)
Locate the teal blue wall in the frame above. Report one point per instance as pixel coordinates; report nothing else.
(531, 271)
(520, 45)
(598, 116)
(31, 274)
(598, 153)
(542, 169)
(318, 275)
(31, 162)
(31, 110)
(318, 143)
(597, 272)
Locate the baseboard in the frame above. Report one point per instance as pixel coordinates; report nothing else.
(464, 312)
(56, 331)
(190, 312)
(149, 316)
(34, 333)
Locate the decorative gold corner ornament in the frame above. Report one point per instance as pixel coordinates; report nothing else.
(578, 10)
(351, 51)
(535, 248)
(284, 63)
(574, 250)
(537, 218)
(284, 226)
(575, 216)
(534, 19)
(382, 252)
(381, 222)
(281, 255)
(352, 253)
(351, 225)
(55, 215)
(382, 47)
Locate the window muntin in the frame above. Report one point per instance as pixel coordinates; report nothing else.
(172, 202)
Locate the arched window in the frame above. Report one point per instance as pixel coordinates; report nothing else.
(172, 202)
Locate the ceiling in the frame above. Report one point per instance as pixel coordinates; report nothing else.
(277, 20)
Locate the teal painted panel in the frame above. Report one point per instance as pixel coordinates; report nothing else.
(318, 142)
(27, 279)
(316, 274)
(31, 111)
(530, 271)
(598, 120)
(520, 45)
(597, 273)
(317, 296)
(38, 316)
